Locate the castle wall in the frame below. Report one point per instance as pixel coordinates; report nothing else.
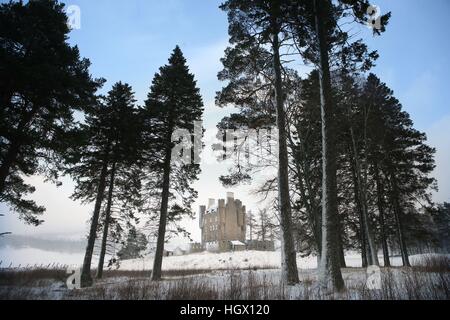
(222, 223)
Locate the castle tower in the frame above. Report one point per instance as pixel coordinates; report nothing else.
(223, 225)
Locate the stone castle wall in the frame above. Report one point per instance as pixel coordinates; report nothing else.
(222, 222)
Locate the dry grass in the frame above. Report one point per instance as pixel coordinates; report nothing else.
(431, 281)
(30, 277)
(434, 263)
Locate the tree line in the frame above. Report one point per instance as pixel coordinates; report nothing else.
(352, 171)
(55, 123)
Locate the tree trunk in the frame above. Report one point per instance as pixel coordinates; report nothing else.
(362, 192)
(368, 251)
(399, 223)
(157, 262)
(311, 208)
(106, 223)
(86, 279)
(329, 271)
(289, 271)
(341, 251)
(380, 204)
(362, 237)
(403, 249)
(251, 227)
(398, 219)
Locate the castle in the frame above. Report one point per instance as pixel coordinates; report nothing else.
(223, 224)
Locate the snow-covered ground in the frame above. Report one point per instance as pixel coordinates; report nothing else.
(242, 260)
(13, 257)
(252, 275)
(396, 284)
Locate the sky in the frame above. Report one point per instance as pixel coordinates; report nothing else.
(129, 40)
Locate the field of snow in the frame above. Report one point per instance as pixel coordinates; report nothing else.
(243, 275)
(206, 260)
(241, 260)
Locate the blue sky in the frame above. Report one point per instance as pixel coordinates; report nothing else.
(415, 57)
(129, 40)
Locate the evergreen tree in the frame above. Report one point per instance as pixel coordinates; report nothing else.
(174, 102)
(124, 183)
(305, 143)
(441, 218)
(355, 115)
(105, 143)
(135, 244)
(253, 26)
(317, 35)
(402, 158)
(43, 81)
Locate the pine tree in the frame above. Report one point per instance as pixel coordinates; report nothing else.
(43, 81)
(125, 144)
(174, 102)
(317, 34)
(403, 159)
(441, 218)
(305, 143)
(254, 25)
(357, 114)
(105, 143)
(135, 244)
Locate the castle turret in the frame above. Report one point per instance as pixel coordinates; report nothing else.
(222, 224)
(201, 213)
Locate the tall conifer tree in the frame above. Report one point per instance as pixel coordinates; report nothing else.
(43, 80)
(174, 102)
(105, 142)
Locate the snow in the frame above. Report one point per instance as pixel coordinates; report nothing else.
(204, 260)
(240, 284)
(239, 272)
(235, 260)
(243, 260)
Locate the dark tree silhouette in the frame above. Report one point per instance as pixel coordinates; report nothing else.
(174, 102)
(254, 25)
(107, 140)
(42, 81)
